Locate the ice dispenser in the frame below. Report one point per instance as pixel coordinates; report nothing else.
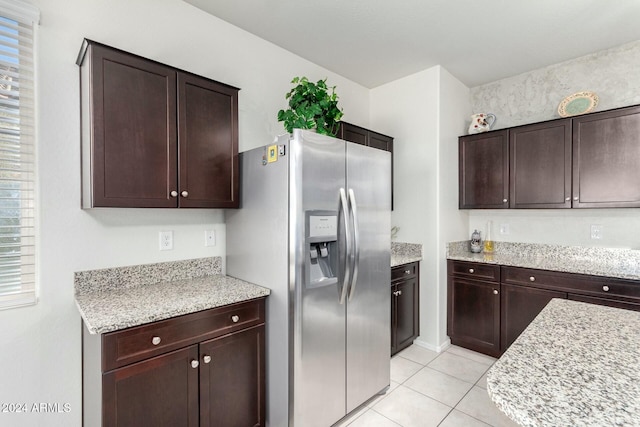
(322, 248)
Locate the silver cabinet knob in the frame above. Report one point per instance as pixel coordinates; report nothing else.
(605, 288)
(407, 272)
(471, 270)
(495, 292)
(575, 198)
(195, 364)
(185, 193)
(532, 279)
(399, 293)
(567, 199)
(235, 318)
(155, 340)
(505, 200)
(174, 193)
(206, 359)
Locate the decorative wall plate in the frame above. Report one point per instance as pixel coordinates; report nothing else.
(578, 103)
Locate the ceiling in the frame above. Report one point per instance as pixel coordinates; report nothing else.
(373, 42)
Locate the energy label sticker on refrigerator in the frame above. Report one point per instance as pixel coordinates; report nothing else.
(272, 153)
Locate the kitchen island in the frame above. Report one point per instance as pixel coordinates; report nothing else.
(575, 365)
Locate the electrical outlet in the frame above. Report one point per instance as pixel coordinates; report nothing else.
(166, 240)
(209, 238)
(504, 228)
(596, 231)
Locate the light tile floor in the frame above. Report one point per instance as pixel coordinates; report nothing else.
(445, 389)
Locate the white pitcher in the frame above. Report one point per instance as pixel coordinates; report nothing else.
(481, 122)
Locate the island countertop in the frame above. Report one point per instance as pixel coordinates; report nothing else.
(577, 364)
(122, 297)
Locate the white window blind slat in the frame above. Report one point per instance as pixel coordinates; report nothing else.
(17, 154)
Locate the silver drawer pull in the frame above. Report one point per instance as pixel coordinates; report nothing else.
(495, 292)
(504, 200)
(532, 279)
(605, 288)
(407, 272)
(471, 270)
(235, 318)
(195, 364)
(155, 340)
(206, 359)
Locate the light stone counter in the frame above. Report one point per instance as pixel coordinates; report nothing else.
(576, 364)
(122, 297)
(405, 253)
(607, 262)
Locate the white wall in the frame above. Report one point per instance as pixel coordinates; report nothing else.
(40, 349)
(534, 96)
(425, 114)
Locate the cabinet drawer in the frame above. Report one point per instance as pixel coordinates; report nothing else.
(404, 271)
(141, 342)
(475, 269)
(576, 283)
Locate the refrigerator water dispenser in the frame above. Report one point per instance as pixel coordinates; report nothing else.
(322, 248)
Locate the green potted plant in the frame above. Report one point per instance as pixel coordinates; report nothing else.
(311, 106)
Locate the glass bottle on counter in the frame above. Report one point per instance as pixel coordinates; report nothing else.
(488, 239)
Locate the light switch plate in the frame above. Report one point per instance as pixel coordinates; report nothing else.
(209, 237)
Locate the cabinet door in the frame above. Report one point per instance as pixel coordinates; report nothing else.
(158, 392)
(540, 157)
(484, 170)
(133, 109)
(381, 142)
(519, 305)
(232, 382)
(605, 159)
(353, 133)
(473, 316)
(406, 322)
(208, 140)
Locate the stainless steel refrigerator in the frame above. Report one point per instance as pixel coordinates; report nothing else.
(314, 227)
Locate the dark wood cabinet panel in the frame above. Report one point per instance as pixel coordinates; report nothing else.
(484, 171)
(208, 140)
(519, 305)
(206, 368)
(610, 302)
(540, 165)
(154, 136)
(159, 392)
(405, 306)
(232, 383)
(605, 159)
(360, 135)
(133, 138)
(473, 314)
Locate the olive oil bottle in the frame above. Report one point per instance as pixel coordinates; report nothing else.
(488, 239)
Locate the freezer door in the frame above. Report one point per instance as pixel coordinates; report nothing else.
(317, 166)
(368, 303)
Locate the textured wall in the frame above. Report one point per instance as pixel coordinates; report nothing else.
(534, 96)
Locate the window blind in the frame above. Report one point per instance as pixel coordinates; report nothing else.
(17, 154)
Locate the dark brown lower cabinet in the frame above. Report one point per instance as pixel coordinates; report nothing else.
(205, 369)
(519, 305)
(405, 306)
(474, 314)
(479, 320)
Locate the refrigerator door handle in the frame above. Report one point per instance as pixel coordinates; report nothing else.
(356, 243)
(344, 206)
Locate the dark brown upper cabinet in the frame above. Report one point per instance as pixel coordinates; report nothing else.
(154, 136)
(540, 165)
(588, 161)
(484, 170)
(606, 155)
(362, 136)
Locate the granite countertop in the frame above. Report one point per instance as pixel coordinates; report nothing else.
(607, 262)
(575, 365)
(122, 297)
(405, 253)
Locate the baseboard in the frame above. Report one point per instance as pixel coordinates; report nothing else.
(437, 348)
